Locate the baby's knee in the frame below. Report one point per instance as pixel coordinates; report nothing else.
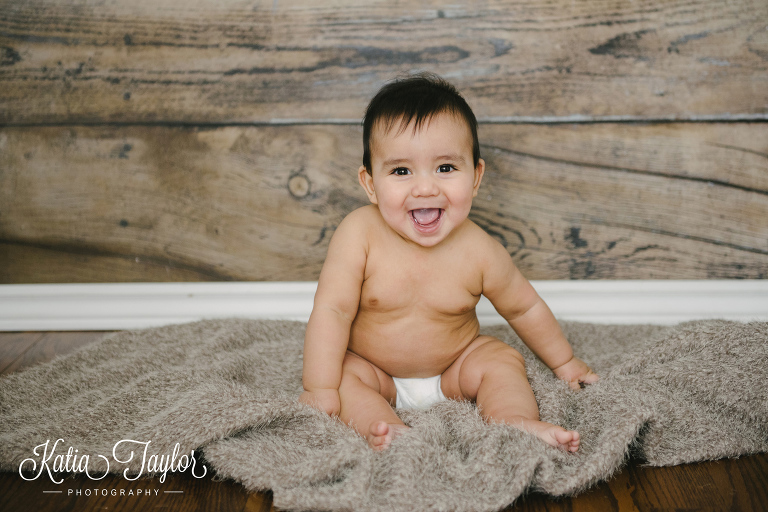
(504, 357)
(490, 357)
(496, 354)
(511, 356)
(355, 368)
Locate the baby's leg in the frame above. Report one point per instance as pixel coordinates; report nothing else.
(365, 394)
(493, 374)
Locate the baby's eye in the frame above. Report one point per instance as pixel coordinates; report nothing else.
(446, 168)
(400, 171)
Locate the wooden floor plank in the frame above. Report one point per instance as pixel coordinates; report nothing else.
(13, 345)
(259, 502)
(180, 492)
(728, 484)
(53, 344)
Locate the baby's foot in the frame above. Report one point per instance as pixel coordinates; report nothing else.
(553, 435)
(381, 434)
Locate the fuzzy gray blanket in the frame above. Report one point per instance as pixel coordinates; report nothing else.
(225, 391)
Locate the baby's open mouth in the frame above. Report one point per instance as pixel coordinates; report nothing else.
(426, 217)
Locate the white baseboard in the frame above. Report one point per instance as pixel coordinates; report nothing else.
(56, 307)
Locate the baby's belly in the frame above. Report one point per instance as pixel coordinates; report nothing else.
(412, 347)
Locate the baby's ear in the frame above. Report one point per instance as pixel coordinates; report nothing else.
(366, 181)
(479, 172)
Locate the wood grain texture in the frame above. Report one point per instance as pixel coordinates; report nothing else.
(49, 345)
(24, 349)
(624, 201)
(129, 61)
(616, 201)
(220, 204)
(728, 484)
(180, 492)
(13, 345)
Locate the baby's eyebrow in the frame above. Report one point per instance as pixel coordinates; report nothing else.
(452, 156)
(394, 161)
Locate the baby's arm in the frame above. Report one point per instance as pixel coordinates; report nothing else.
(335, 306)
(515, 299)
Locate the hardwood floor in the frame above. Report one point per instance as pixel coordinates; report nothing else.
(732, 484)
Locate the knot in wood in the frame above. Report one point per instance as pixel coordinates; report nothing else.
(298, 186)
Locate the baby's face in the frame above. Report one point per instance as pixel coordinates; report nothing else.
(423, 182)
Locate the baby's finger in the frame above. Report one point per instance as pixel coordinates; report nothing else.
(590, 378)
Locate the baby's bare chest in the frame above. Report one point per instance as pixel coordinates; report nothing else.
(436, 286)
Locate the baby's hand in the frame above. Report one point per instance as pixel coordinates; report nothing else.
(575, 372)
(326, 400)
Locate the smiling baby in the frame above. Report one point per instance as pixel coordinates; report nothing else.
(393, 322)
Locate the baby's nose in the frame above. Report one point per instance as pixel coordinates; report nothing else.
(425, 185)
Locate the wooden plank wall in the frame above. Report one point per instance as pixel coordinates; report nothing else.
(170, 140)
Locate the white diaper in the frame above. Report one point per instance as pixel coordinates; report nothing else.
(418, 393)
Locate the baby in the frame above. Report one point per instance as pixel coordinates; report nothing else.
(393, 322)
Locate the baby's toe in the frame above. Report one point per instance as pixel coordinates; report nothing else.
(380, 443)
(591, 378)
(575, 441)
(562, 436)
(380, 436)
(568, 439)
(380, 428)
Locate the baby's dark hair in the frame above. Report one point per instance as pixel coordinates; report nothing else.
(415, 98)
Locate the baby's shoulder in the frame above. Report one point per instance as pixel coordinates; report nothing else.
(481, 245)
(363, 214)
(474, 234)
(356, 225)
(361, 219)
